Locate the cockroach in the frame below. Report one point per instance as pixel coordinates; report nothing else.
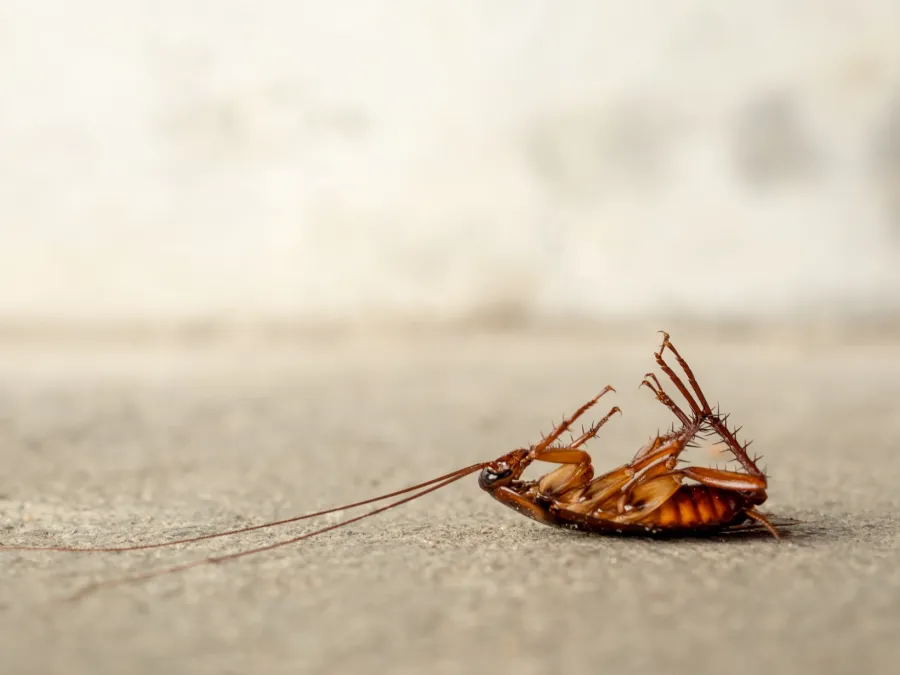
(648, 495)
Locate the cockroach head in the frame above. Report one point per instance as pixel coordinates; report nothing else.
(502, 470)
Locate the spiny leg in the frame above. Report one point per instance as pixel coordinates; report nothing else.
(576, 470)
(687, 369)
(652, 383)
(677, 381)
(670, 448)
(715, 421)
(652, 445)
(739, 450)
(593, 429)
(566, 423)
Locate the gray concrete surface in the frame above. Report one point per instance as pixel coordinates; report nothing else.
(103, 444)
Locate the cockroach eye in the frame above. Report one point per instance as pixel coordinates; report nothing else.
(489, 476)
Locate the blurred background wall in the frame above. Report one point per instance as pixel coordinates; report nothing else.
(171, 162)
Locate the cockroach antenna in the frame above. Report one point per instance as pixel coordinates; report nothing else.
(215, 560)
(453, 475)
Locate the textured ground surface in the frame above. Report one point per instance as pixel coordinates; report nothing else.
(101, 445)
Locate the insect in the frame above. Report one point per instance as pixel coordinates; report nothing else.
(648, 495)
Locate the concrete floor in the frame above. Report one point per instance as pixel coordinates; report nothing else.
(106, 444)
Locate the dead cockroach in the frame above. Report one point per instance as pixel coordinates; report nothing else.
(648, 495)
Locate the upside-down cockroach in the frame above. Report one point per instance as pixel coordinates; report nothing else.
(648, 495)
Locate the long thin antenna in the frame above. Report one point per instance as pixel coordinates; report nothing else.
(213, 560)
(251, 528)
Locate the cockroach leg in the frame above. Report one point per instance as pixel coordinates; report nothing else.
(598, 492)
(679, 384)
(566, 423)
(726, 480)
(704, 414)
(561, 456)
(664, 398)
(670, 449)
(570, 454)
(663, 465)
(594, 429)
(660, 463)
(739, 451)
(565, 481)
(660, 468)
(575, 472)
(687, 369)
(753, 514)
(652, 446)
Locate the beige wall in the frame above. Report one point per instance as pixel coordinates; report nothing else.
(311, 160)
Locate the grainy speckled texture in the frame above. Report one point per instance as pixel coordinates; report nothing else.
(108, 444)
